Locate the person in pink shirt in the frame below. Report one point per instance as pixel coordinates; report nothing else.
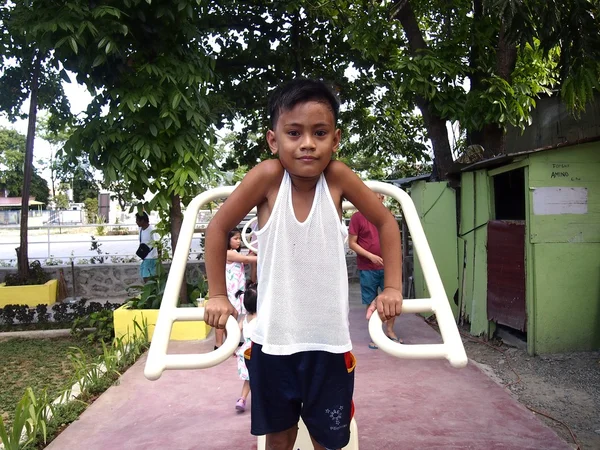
(363, 239)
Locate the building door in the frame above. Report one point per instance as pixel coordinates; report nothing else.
(506, 273)
(506, 303)
(104, 206)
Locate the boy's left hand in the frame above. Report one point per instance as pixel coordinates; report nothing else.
(388, 304)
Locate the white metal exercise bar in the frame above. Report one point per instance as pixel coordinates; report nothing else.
(451, 349)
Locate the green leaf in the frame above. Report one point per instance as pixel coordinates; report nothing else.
(98, 60)
(175, 101)
(153, 130)
(73, 44)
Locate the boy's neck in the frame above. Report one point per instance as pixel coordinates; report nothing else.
(304, 184)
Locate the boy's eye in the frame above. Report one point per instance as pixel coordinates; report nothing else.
(321, 133)
(293, 133)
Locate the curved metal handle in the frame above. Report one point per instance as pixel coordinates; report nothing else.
(155, 366)
(454, 354)
(245, 230)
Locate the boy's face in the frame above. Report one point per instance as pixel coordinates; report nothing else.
(305, 138)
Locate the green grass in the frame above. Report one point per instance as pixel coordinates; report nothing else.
(38, 363)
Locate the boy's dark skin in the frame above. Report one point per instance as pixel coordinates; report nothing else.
(305, 138)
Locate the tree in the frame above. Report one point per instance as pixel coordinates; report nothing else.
(56, 138)
(148, 125)
(61, 201)
(28, 71)
(509, 52)
(12, 160)
(259, 45)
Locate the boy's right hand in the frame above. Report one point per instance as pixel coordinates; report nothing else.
(377, 260)
(217, 310)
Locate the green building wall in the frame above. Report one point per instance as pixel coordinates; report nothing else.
(436, 205)
(472, 250)
(565, 264)
(562, 251)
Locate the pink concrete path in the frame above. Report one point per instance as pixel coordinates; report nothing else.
(400, 404)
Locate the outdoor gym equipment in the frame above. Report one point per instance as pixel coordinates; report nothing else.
(451, 349)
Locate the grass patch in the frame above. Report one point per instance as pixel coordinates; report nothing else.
(39, 364)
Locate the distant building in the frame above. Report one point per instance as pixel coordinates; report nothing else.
(10, 210)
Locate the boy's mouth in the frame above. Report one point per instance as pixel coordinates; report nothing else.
(307, 158)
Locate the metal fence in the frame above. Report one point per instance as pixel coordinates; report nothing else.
(63, 244)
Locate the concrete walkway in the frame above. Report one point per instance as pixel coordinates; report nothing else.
(400, 404)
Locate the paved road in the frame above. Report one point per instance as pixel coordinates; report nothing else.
(64, 246)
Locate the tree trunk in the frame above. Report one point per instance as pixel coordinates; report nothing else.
(436, 126)
(176, 222)
(492, 137)
(23, 257)
(438, 134)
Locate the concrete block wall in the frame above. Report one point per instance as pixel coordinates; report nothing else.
(110, 281)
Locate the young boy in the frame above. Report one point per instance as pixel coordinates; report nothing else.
(300, 363)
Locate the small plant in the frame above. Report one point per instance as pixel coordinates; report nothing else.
(36, 275)
(61, 312)
(52, 261)
(30, 419)
(101, 229)
(95, 246)
(198, 290)
(150, 294)
(101, 320)
(42, 313)
(24, 314)
(9, 312)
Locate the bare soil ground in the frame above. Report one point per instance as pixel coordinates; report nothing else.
(565, 386)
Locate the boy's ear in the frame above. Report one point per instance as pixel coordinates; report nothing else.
(272, 141)
(337, 139)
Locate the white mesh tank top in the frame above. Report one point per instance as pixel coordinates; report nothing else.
(303, 280)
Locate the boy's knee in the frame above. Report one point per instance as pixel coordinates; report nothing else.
(284, 440)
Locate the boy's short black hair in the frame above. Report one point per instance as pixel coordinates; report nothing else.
(143, 216)
(301, 90)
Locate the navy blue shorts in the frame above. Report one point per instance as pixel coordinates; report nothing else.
(315, 385)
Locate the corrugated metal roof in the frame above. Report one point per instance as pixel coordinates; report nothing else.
(404, 181)
(16, 201)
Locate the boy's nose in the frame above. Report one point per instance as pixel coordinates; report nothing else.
(308, 142)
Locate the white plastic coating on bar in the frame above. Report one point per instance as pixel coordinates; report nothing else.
(452, 349)
(158, 359)
(245, 231)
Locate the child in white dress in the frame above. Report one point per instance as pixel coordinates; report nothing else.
(247, 326)
(235, 276)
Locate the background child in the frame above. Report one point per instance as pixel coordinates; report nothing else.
(247, 326)
(235, 276)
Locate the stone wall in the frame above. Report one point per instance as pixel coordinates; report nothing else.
(99, 281)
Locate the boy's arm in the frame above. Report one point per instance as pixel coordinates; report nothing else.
(389, 302)
(251, 192)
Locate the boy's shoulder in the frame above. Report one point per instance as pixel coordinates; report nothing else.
(270, 168)
(336, 169)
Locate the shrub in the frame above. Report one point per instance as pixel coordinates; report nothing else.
(9, 313)
(36, 275)
(101, 320)
(42, 313)
(24, 314)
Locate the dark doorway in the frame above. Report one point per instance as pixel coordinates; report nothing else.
(509, 195)
(506, 302)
